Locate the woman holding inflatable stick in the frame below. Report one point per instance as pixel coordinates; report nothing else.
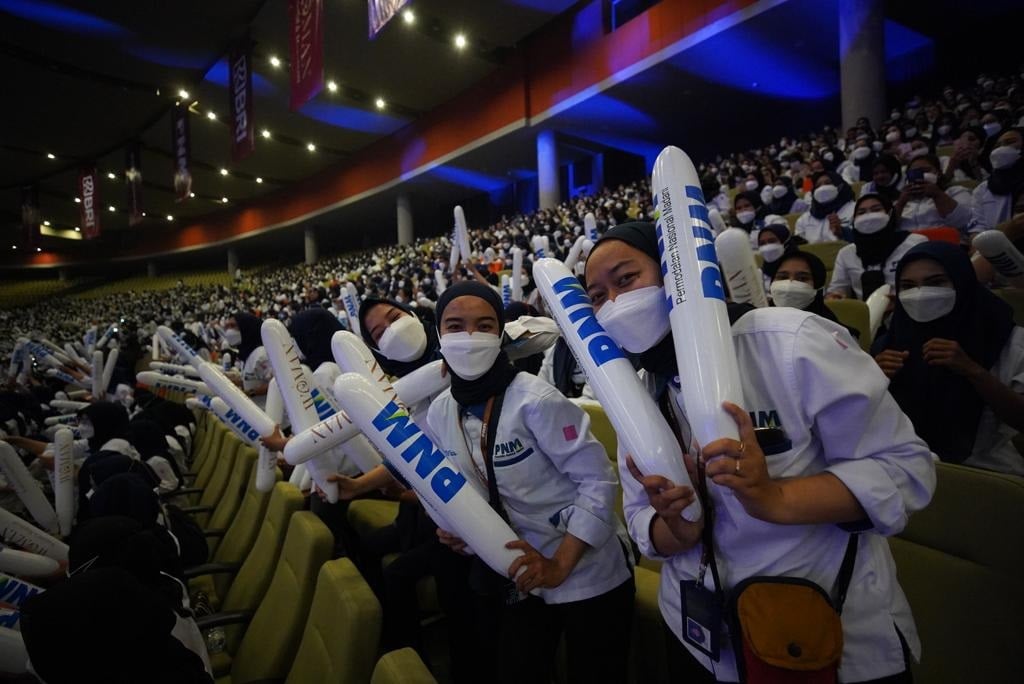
(529, 450)
(838, 454)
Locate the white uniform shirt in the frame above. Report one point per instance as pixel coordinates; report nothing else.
(848, 268)
(257, 372)
(807, 376)
(989, 209)
(922, 213)
(818, 230)
(553, 478)
(993, 445)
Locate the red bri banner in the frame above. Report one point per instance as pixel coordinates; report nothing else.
(381, 12)
(181, 144)
(89, 209)
(307, 50)
(243, 134)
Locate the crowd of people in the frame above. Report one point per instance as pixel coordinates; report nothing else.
(847, 457)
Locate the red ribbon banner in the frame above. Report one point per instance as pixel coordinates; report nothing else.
(307, 50)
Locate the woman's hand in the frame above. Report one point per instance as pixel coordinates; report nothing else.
(537, 570)
(348, 487)
(891, 361)
(452, 542)
(741, 467)
(669, 500)
(835, 225)
(949, 354)
(275, 441)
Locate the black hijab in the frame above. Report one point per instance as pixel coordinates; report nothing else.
(819, 210)
(109, 420)
(1008, 181)
(892, 191)
(313, 329)
(819, 274)
(249, 326)
(394, 368)
(496, 380)
(874, 249)
(782, 205)
(944, 407)
(661, 358)
(755, 201)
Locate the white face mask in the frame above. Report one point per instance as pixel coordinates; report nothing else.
(792, 293)
(86, 430)
(766, 194)
(750, 185)
(877, 145)
(637, 320)
(404, 340)
(470, 356)
(911, 132)
(771, 251)
(860, 153)
(825, 193)
(945, 129)
(892, 136)
(1004, 157)
(930, 177)
(917, 152)
(928, 303)
(233, 336)
(779, 191)
(992, 128)
(870, 223)
(745, 217)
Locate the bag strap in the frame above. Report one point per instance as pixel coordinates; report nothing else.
(488, 433)
(846, 572)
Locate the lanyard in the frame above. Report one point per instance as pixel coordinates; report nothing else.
(485, 451)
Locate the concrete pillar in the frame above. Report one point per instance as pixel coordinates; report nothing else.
(597, 171)
(151, 269)
(232, 261)
(547, 170)
(62, 274)
(310, 244)
(862, 60)
(404, 215)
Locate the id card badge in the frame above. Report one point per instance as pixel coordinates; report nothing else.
(702, 618)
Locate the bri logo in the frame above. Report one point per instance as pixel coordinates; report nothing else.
(430, 463)
(600, 346)
(668, 246)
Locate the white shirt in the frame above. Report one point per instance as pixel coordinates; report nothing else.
(553, 478)
(922, 213)
(993, 445)
(257, 372)
(818, 230)
(846, 276)
(989, 209)
(807, 376)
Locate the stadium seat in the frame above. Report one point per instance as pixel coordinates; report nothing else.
(339, 644)
(235, 543)
(853, 313)
(826, 251)
(945, 151)
(224, 464)
(648, 641)
(367, 515)
(403, 666)
(959, 563)
(272, 636)
(941, 234)
(225, 509)
(791, 220)
(1015, 298)
(602, 428)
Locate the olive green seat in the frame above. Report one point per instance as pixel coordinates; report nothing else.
(215, 487)
(853, 313)
(403, 666)
(369, 515)
(239, 481)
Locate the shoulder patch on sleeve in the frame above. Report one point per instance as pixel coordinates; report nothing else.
(570, 434)
(839, 340)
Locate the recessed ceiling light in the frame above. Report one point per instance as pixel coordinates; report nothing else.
(112, 208)
(39, 249)
(224, 200)
(78, 200)
(77, 229)
(265, 133)
(191, 195)
(223, 172)
(460, 41)
(51, 155)
(112, 176)
(259, 179)
(46, 223)
(409, 17)
(274, 61)
(183, 94)
(311, 147)
(381, 104)
(332, 86)
(14, 246)
(211, 116)
(170, 218)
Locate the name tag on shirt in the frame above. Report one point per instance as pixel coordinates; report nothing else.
(702, 618)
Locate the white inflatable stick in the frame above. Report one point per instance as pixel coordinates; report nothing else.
(574, 252)
(631, 410)
(708, 371)
(746, 284)
(172, 383)
(350, 298)
(27, 489)
(99, 391)
(14, 530)
(878, 303)
(173, 368)
(1002, 254)
(422, 383)
(64, 480)
(68, 405)
(506, 290)
(462, 231)
(108, 367)
(266, 467)
(517, 274)
(26, 564)
(590, 226)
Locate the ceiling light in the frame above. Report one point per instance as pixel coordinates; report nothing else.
(381, 104)
(409, 17)
(265, 133)
(112, 208)
(14, 246)
(224, 200)
(143, 213)
(274, 61)
(259, 179)
(332, 86)
(112, 176)
(46, 223)
(51, 155)
(170, 217)
(183, 94)
(311, 147)
(77, 229)
(223, 172)
(78, 200)
(460, 40)
(191, 195)
(211, 116)
(39, 249)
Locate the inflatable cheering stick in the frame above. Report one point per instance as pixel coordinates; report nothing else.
(746, 285)
(1002, 254)
(26, 487)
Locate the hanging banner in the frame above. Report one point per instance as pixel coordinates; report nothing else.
(181, 145)
(381, 12)
(307, 50)
(30, 214)
(89, 209)
(133, 181)
(243, 135)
